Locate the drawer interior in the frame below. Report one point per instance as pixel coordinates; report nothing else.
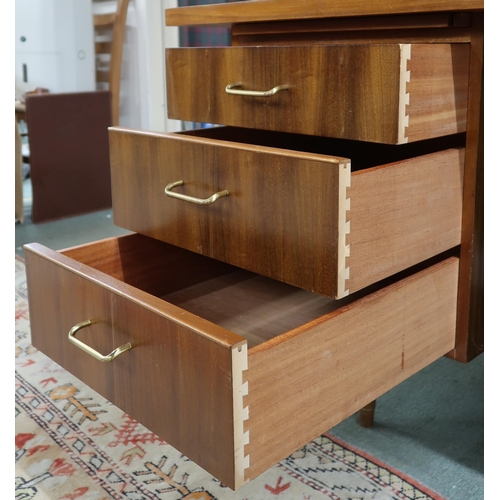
(362, 154)
(253, 306)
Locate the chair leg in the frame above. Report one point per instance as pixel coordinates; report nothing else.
(367, 414)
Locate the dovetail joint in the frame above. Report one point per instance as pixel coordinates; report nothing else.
(240, 412)
(344, 249)
(404, 95)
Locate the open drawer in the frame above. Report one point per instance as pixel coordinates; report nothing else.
(387, 93)
(234, 370)
(329, 216)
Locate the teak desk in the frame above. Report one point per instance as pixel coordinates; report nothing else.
(289, 267)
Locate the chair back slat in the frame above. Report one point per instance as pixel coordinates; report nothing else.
(113, 25)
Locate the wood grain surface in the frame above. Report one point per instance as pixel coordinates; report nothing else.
(349, 92)
(402, 214)
(252, 306)
(177, 380)
(437, 90)
(399, 211)
(470, 330)
(346, 91)
(306, 381)
(278, 10)
(267, 224)
(406, 28)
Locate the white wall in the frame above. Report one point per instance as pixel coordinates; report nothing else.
(143, 85)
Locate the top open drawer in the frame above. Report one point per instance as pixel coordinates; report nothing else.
(386, 93)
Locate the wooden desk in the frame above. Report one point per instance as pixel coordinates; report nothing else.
(240, 339)
(268, 22)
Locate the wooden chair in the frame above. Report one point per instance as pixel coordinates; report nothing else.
(68, 133)
(18, 175)
(110, 35)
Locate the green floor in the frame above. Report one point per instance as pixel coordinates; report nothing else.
(429, 427)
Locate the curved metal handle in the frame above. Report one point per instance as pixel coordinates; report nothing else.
(230, 89)
(191, 199)
(84, 347)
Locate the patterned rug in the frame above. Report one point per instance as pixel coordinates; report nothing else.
(73, 444)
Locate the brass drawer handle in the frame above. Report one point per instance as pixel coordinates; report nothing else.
(191, 199)
(84, 347)
(230, 89)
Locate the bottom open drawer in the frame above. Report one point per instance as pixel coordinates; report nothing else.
(234, 370)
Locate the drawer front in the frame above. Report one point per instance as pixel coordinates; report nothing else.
(190, 376)
(282, 208)
(387, 93)
(177, 379)
(286, 207)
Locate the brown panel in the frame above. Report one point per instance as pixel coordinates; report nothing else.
(308, 380)
(148, 264)
(409, 28)
(269, 10)
(267, 224)
(177, 380)
(402, 214)
(69, 153)
(336, 91)
(377, 23)
(411, 35)
(431, 111)
(470, 328)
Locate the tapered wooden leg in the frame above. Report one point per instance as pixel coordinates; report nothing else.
(367, 414)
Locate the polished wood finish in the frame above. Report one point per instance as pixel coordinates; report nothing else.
(103, 24)
(388, 93)
(367, 415)
(262, 22)
(190, 376)
(350, 24)
(448, 71)
(470, 330)
(253, 306)
(177, 379)
(409, 35)
(401, 211)
(328, 369)
(266, 224)
(276, 10)
(417, 28)
(238, 371)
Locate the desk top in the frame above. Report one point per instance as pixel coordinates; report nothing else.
(281, 10)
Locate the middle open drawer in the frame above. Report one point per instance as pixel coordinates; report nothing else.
(330, 216)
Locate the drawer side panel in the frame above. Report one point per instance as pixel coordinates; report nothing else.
(311, 379)
(437, 90)
(403, 214)
(177, 383)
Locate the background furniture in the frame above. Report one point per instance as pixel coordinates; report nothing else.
(69, 153)
(110, 34)
(68, 138)
(18, 176)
